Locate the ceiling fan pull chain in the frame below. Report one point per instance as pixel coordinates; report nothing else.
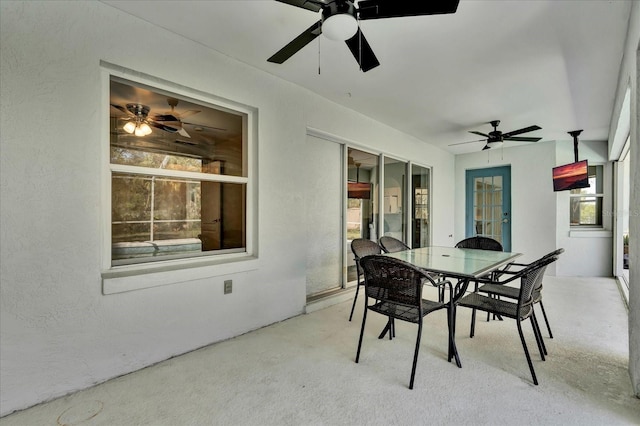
(319, 55)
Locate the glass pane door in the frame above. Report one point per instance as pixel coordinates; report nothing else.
(420, 233)
(488, 204)
(362, 201)
(394, 202)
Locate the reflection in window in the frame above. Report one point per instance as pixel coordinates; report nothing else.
(394, 202)
(362, 170)
(178, 189)
(586, 203)
(420, 219)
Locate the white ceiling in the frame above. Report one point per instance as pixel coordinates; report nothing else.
(553, 63)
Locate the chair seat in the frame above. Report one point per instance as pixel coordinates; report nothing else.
(406, 313)
(495, 306)
(500, 290)
(507, 291)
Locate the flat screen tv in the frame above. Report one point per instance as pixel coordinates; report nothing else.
(360, 190)
(571, 176)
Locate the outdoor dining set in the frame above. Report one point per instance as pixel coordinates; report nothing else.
(475, 274)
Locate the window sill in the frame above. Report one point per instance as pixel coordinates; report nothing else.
(590, 233)
(137, 277)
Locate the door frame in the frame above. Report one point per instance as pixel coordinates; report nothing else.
(470, 175)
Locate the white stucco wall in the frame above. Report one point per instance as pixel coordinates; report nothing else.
(588, 252)
(539, 216)
(533, 208)
(58, 332)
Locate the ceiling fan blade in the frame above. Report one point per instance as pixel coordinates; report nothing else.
(297, 43)
(463, 143)
(479, 133)
(183, 132)
(486, 147)
(188, 113)
(524, 130)
(305, 4)
(522, 139)
(206, 127)
(163, 127)
(121, 109)
(362, 51)
(375, 9)
(165, 117)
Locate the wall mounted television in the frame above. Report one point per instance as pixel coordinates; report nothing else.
(361, 190)
(571, 176)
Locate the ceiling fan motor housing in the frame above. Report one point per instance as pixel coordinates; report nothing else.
(138, 110)
(339, 20)
(337, 8)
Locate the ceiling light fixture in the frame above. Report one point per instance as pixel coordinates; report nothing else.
(339, 21)
(138, 125)
(494, 143)
(340, 27)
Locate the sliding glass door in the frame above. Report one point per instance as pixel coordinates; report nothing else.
(420, 231)
(394, 203)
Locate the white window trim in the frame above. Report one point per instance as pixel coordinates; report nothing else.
(593, 230)
(118, 279)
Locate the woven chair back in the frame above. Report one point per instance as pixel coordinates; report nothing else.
(392, 280)
(480, 242)
(362, 247)
(392, 245)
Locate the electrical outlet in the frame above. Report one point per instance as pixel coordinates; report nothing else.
(228, 286)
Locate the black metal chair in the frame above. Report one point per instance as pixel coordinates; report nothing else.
(361, 247)
(396, 286)
(392, 245)
(480, 242)
(529, 277)
(497, 289)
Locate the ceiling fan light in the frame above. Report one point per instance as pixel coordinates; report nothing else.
(494, 144)
(143, 130)
(129, 127)
(146, 129)
(340, 27)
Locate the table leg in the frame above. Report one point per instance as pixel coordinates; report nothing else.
(387, 328)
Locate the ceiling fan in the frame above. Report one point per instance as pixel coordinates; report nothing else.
(173, 118)
(138, 121)
(339, 21)
(496, 137)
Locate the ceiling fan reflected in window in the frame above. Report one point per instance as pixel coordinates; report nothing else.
(496, 138)
(339, 21)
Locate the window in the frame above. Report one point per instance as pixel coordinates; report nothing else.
(179, 178)
(586, 203)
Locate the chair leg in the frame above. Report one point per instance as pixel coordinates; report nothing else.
(538, 335)
(354, 300)
(451, 322)
(473, 315)
(415, 355)
(364, 319)
(544, 314)
(526, 353)
(473, 323)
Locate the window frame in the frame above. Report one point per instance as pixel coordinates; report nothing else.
(132, 276)
(597, 195)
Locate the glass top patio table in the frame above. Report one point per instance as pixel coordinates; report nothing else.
(462, 263)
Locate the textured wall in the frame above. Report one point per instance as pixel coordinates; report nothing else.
(58, 332)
